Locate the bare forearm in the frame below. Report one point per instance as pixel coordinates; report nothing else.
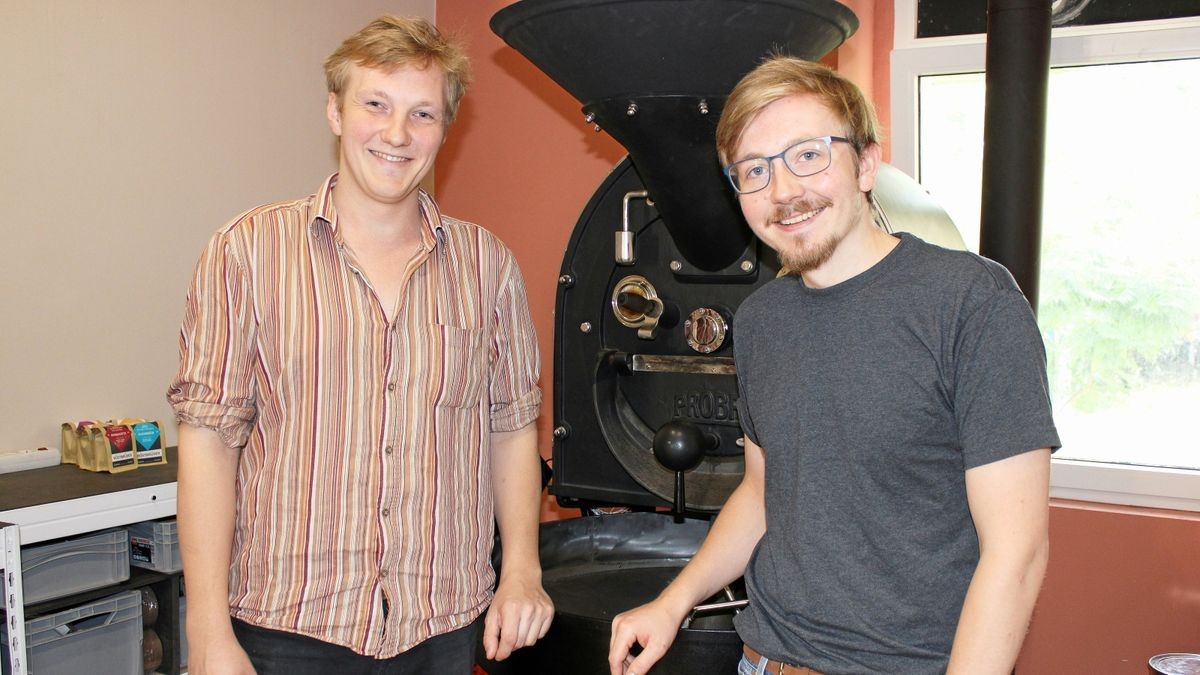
(207, 477)
(521, 611)
(516, 491)
(722, 558)
(726, 550)
(996, 614)
(1009, 502)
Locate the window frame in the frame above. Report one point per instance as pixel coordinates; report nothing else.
(913, 58)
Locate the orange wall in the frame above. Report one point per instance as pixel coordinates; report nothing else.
(1123, 584)
(521, 162)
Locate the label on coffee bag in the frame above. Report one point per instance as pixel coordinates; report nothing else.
(120, 445)
(147, 437)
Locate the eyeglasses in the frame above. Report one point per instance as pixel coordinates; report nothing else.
(802, 159)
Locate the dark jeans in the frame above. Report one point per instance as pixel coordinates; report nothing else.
(278, 653)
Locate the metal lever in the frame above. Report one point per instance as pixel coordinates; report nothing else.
(680, 447)
(636, 305)
(624, 240)
(713, 608)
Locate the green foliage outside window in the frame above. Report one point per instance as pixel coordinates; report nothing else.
(1111, 324)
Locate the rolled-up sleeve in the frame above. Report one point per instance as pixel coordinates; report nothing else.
(515, 396)
(214, 387)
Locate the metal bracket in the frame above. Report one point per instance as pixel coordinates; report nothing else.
(14, 597)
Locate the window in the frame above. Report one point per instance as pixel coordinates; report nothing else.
(1119, 303)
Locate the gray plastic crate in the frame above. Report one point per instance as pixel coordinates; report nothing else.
(154, 545)
(103, 636)
(74, 565)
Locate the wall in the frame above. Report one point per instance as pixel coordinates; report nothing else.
(134, 129)
(1123, 584)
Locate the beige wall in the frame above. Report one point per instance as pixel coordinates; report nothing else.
(131, 130)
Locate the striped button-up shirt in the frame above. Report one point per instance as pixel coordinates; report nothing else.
(364, 479)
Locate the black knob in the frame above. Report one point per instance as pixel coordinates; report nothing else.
(634, 303)
(680, 446)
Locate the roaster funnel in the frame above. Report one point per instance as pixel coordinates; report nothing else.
(654, 74)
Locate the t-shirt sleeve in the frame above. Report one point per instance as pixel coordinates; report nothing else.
(214, 387)
(513, 389)
(741, 358)
(1001, 393)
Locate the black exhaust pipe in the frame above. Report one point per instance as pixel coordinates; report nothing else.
(1014, 137)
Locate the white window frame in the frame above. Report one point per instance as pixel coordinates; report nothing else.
(1070, 46)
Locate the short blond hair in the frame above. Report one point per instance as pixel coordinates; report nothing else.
(779, 77)
(392, 42)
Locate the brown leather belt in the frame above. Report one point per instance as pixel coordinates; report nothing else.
(777, 667)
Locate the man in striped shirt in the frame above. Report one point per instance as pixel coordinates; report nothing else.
(357, 393)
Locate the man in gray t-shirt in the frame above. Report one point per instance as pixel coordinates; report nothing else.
(893, 515)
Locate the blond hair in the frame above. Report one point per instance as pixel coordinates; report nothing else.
(392, 42)
(781, 76)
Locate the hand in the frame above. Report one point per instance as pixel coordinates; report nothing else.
(218, 656)
(653, 626)
(519, 616)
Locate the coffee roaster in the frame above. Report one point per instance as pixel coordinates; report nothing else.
(645, 385)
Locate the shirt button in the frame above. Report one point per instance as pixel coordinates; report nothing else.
(386, 512)
(388, 450)
(383, 574)
(391, 386)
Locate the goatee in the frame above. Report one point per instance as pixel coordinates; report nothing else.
(801, 258)
(805, 254)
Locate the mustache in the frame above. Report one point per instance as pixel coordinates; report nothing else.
(799, 206)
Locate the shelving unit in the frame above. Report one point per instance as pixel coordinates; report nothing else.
(64, 501)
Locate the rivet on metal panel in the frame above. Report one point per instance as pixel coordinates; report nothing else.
(676, 265)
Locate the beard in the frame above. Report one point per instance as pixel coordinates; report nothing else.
(806, 253)
(807, 256)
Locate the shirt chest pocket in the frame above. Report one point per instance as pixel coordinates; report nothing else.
(460, 366)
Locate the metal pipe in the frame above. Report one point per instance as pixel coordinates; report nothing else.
(1014, 137)
(624, 252)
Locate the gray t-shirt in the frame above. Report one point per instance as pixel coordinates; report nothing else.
(871, 399)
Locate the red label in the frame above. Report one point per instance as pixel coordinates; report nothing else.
(119, 437)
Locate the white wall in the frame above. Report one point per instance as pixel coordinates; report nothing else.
(130, 131)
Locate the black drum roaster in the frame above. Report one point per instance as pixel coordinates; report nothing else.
(645, 387)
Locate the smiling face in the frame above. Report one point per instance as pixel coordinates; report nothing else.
(390, 126)
(811, 221)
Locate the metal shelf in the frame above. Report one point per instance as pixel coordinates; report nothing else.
(30, 513)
